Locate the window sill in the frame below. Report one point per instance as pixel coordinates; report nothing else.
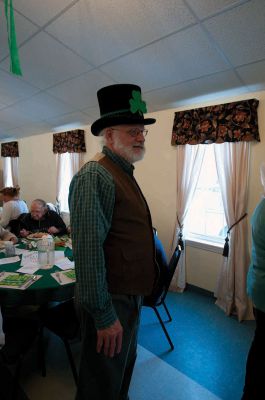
(205, 245)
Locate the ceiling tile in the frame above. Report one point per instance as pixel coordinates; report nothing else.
(81, 92)
(156, 99)
(38, 11)
(24, 29)
(182, 56)
(253, 74)
(240, 32)
(101, 32)
(46, 62)
(14, 89)
(173, 96)
(205, 8)
(75, 119)
(215, 83)
(33, 128)
(160, 45)
(92, 112)
(42, 106)
(10, 119)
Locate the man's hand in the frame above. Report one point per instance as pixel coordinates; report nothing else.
(53, 230)
(24, 233)
(110, 339)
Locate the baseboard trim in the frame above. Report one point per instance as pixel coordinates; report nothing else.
(197, 289)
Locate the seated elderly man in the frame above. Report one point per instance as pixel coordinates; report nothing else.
(41, 219)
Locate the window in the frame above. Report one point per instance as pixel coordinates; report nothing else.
(205, 219)
(67, 166)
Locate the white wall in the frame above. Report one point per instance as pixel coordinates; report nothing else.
(156, 175)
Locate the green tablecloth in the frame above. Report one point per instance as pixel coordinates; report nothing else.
(40, 292)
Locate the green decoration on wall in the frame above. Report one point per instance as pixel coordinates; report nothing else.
(136, 103)
(12, 41)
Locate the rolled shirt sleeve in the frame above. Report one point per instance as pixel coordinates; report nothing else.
(91, 203)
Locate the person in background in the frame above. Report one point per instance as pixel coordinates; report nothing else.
(13, 207)
(41, 219)
(7, 236)
(113, 246)
(255, 368)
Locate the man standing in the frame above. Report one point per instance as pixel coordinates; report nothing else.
(113, 246)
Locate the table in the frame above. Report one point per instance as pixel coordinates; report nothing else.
(40, 292)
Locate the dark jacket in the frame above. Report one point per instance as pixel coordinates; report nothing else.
(25, 221)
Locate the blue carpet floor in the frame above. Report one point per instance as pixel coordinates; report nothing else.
(210, 348)
(208, 362)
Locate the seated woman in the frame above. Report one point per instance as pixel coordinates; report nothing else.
(41, 219)
(13, 206)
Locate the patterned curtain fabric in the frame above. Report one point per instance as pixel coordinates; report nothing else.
(230, 122)
(9, 149)
(71, 142)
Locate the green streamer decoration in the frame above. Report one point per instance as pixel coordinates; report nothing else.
(12, 41)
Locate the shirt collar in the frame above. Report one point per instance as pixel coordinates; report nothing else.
(124, 164)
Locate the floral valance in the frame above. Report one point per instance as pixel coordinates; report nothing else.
(230, 122)
(9, 149)
(69, 142)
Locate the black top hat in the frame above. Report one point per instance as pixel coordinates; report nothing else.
(120, 104)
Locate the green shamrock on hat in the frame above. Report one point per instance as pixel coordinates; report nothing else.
(136, 103)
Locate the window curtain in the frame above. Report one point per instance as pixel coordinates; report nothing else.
(189, 162)
(10, 171)
(14, 170)
(70, 141)
(66, 169)
(10, 154)
(68, 147)
(229, 122)
(232, 164)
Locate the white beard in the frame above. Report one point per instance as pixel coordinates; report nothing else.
(128, 153)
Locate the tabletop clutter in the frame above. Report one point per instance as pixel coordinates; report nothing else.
(38, 253)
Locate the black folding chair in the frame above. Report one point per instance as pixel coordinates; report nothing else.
(62, 320)
(158, 298)
(21, 332)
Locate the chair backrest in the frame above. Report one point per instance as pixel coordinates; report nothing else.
(51, 206)
(62, 319)
(166, 275)
(172, 268)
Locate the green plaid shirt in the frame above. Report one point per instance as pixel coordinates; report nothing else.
(91, 203)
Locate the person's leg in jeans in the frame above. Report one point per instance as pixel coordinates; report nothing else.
(254, 388)
(101, 377)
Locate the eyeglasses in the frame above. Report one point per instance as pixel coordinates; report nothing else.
(133, 132)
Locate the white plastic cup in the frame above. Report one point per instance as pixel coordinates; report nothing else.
(10, 249)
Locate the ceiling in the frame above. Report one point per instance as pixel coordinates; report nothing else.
(178, 51)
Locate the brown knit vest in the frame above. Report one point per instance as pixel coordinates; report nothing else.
(129, 247)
